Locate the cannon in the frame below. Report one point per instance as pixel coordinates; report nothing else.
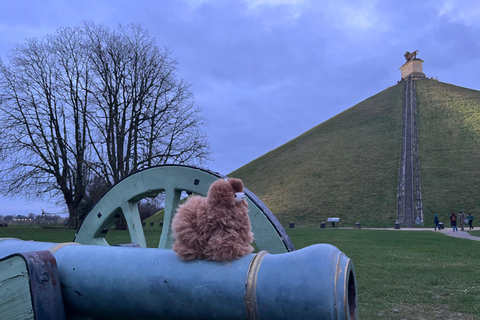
(99, 281)
(410, 55)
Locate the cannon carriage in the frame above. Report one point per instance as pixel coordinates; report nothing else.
(89, 279)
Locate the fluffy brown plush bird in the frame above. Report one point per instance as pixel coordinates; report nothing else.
(216, 227)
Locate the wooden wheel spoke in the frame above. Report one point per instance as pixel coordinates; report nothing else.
(131, 214)
(172, 198)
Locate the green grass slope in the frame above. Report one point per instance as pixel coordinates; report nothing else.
(345, 167)
(449, 138)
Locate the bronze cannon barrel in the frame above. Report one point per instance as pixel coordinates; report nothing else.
(101, 282)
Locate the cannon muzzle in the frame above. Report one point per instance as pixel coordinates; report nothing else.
(101, 282)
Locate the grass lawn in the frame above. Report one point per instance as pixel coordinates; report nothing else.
(407, 275)
(400, 274)
(474, 233)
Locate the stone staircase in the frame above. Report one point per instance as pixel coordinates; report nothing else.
(409, 197)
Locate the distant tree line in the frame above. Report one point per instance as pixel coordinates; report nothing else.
(86, 106)
(30, 216)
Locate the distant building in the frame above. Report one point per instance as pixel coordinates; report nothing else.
(413, 69)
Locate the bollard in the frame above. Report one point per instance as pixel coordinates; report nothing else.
(316, 282)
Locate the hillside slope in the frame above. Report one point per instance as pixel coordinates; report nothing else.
(449, 138)
(345, 167)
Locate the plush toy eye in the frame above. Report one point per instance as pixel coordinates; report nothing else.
(240, 196)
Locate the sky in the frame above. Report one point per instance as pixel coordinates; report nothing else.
(265, 71)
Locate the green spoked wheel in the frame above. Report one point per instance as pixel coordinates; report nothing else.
(124, 196)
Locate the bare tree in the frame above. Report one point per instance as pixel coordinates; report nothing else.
(88, 101)
(145, 114)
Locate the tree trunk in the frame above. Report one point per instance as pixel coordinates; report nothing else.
(73, 221)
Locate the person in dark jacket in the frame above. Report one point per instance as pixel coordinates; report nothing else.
(470, 220)
(436, 221)
(453, 221)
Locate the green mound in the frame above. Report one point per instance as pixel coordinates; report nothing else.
(347, 166)
(449, 138)
(156, 218)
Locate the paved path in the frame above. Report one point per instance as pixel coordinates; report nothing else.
(448, 232)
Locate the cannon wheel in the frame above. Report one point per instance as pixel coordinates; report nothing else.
(123, 197)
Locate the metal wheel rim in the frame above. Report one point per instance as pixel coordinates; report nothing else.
(124, 196)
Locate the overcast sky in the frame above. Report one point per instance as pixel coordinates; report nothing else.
(265, 71)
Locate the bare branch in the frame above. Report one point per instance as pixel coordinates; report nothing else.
(89, 103)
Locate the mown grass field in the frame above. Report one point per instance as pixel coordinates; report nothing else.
(475, 233)
(400, 274)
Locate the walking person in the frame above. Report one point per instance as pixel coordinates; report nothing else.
(453, 221)
(470, 220)
(461, 218)
(437, 222)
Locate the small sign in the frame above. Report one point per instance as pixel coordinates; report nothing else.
(333, 219)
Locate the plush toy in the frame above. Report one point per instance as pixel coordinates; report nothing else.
(216, 227)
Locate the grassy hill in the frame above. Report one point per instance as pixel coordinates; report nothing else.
(156, 218)
(347, 166)
(449, 138)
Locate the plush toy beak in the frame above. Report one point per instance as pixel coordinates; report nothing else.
(240, 196)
